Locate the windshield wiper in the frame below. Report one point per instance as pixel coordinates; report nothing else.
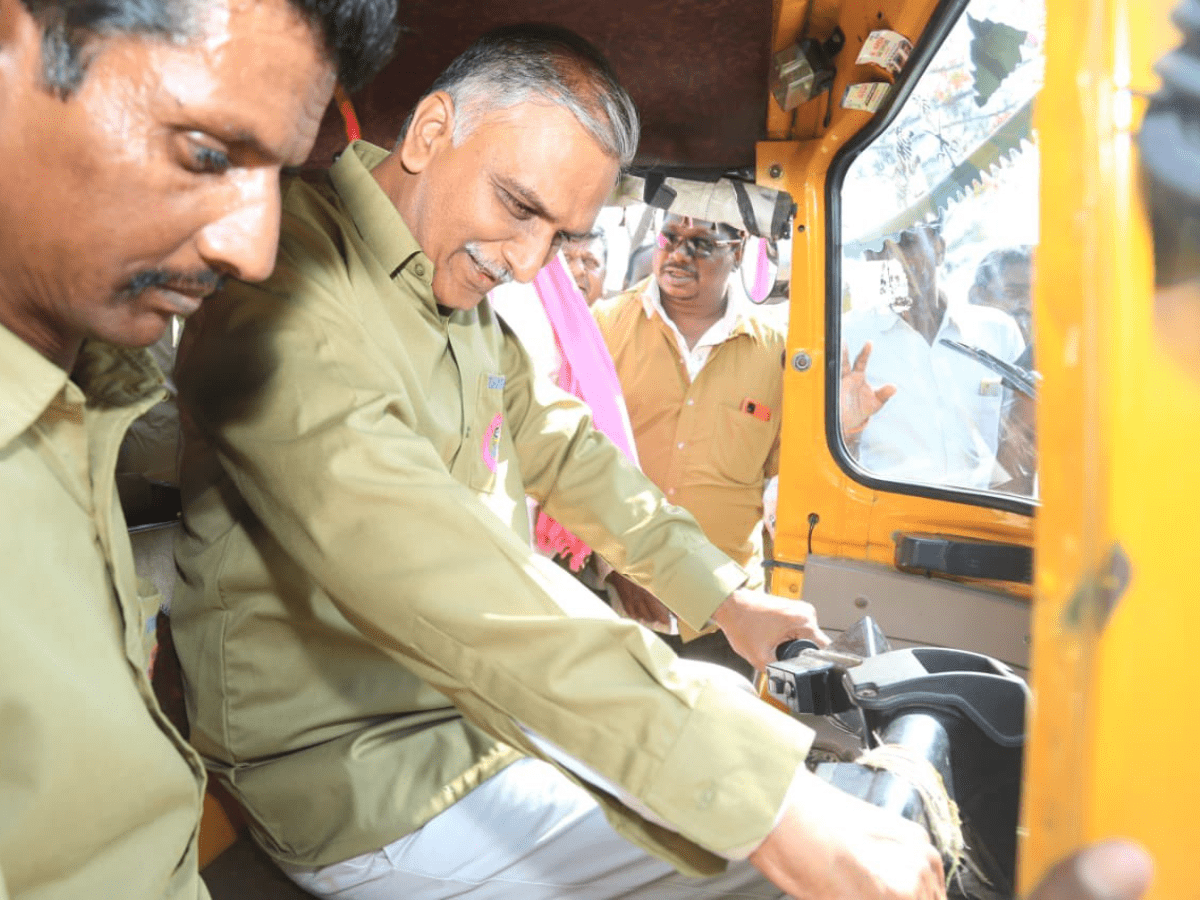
(1021, 380)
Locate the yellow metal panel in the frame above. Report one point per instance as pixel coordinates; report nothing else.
(854, 521)
(1112, 730)
(219, 826)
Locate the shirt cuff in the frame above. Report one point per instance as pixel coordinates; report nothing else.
(736, 853)
(697, 588)
(730, 797)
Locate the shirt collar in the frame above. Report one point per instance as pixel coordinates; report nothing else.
(28, 382)
(107, 375)
(950, 318)
(377, 219)
(732, 323)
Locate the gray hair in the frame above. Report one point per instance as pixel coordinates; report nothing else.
(595, 235)
(519, 63)
(991, 267)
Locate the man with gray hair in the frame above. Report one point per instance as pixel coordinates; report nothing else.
(587, 260)
(403, 696)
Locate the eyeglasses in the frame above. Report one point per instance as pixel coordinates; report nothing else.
(696, 247)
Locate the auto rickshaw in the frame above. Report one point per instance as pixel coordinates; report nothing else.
(1003, 125)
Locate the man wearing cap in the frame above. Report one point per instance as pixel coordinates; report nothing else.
(703, 380)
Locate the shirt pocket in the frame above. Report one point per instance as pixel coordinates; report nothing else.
(486, 438)
(984, 406)
(742, 444)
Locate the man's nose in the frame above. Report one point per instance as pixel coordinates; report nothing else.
(681, 251)
(526, 255)
(243, 239)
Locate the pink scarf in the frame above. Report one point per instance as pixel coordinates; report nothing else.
(762, 274)
(587, 372)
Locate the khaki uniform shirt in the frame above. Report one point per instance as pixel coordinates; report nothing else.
(99, 795)
(695, 438)
(365, 631)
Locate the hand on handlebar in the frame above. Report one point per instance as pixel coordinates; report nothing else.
(756, 623)
(831, 846)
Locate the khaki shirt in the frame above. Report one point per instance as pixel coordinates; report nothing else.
(694, 438)
(365, 631)
(99, 795)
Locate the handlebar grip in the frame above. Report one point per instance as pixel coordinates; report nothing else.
(792, 649)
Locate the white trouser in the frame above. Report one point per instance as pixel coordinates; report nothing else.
(527, 833)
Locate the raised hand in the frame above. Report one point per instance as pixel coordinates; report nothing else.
(857, 399)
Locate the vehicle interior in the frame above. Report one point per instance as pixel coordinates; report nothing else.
(1053, 538)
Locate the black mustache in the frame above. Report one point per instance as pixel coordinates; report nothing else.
(199, 284)
(686, 270)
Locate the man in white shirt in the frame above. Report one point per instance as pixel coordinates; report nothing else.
(914, 406)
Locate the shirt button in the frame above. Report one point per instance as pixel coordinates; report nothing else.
(419, 270)
(691, 402)
(680, 445)
(670, 492)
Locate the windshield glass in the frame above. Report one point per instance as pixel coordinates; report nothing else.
(939, 227)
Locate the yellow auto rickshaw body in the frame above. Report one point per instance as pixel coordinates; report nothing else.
(1113, 599)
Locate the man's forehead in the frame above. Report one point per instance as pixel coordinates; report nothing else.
(203, 77)
(529, 148)
(689, 222)
(581, 246)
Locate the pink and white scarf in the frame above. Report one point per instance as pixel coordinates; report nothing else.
(588, 372)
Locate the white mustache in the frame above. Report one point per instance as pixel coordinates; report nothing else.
(498, 272)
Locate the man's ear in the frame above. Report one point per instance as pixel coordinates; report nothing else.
(431, 128)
